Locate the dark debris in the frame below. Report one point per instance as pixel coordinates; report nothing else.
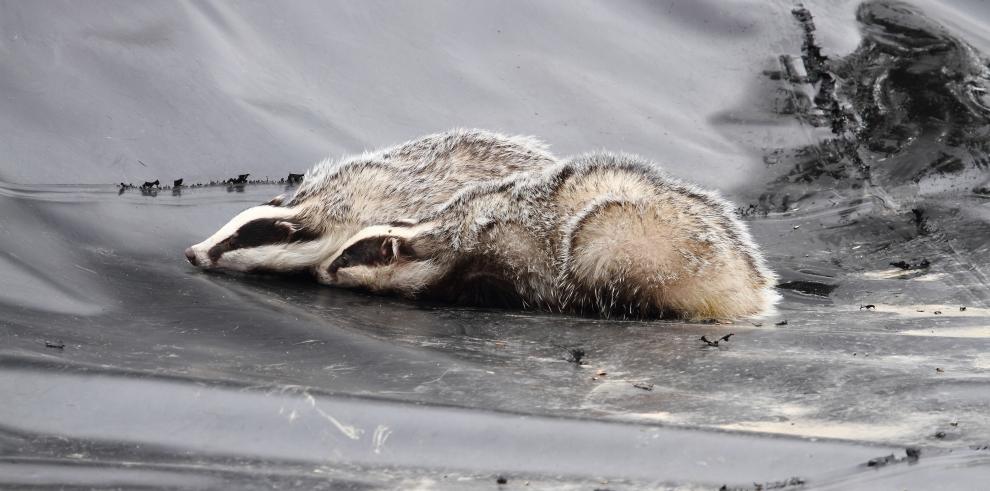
(757, 486)
(240, 179)
(923, 264)
(709, 342)
(151, 188)
(881, 461)
(576, 356)
(912, 454)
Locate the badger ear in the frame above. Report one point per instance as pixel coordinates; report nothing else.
(276, 201)
(296, 231)
(289, 227)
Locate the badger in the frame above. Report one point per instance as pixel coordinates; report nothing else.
(337, 198)
(600, 233)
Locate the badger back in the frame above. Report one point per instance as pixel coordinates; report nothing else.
(445, 162)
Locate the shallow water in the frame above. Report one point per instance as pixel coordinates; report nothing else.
(173, 376)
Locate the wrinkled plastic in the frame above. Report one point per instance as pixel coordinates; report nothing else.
(123, 366)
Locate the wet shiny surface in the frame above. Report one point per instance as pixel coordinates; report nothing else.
(173, 377)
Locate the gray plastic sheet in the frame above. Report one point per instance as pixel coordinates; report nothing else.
(122, 366)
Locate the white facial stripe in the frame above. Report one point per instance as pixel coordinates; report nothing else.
(263, 211)
(201, 250)
(286, 256)
(277, 257)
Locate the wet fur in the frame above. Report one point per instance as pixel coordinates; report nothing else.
(338, 198)
(602, 233)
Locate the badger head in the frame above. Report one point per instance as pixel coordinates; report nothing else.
(268, 238)
(399, 258)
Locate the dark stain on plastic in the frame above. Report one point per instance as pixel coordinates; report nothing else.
(808, 287)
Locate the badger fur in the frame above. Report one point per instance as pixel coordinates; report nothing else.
(338, 198)
(601, 233)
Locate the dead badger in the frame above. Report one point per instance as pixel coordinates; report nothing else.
(339, 198)
(601, 234)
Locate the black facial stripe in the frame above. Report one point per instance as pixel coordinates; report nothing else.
(216, 251)
(367, 252)
(373, 251)
(259, 232)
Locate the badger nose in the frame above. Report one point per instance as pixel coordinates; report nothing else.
(191, 256)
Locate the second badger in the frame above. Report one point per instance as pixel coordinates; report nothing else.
(603, 234)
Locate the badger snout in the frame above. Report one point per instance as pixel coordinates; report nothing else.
(199, 257)
(191, 256)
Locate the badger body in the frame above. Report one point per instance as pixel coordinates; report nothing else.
(338, 198)
(601, 233)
